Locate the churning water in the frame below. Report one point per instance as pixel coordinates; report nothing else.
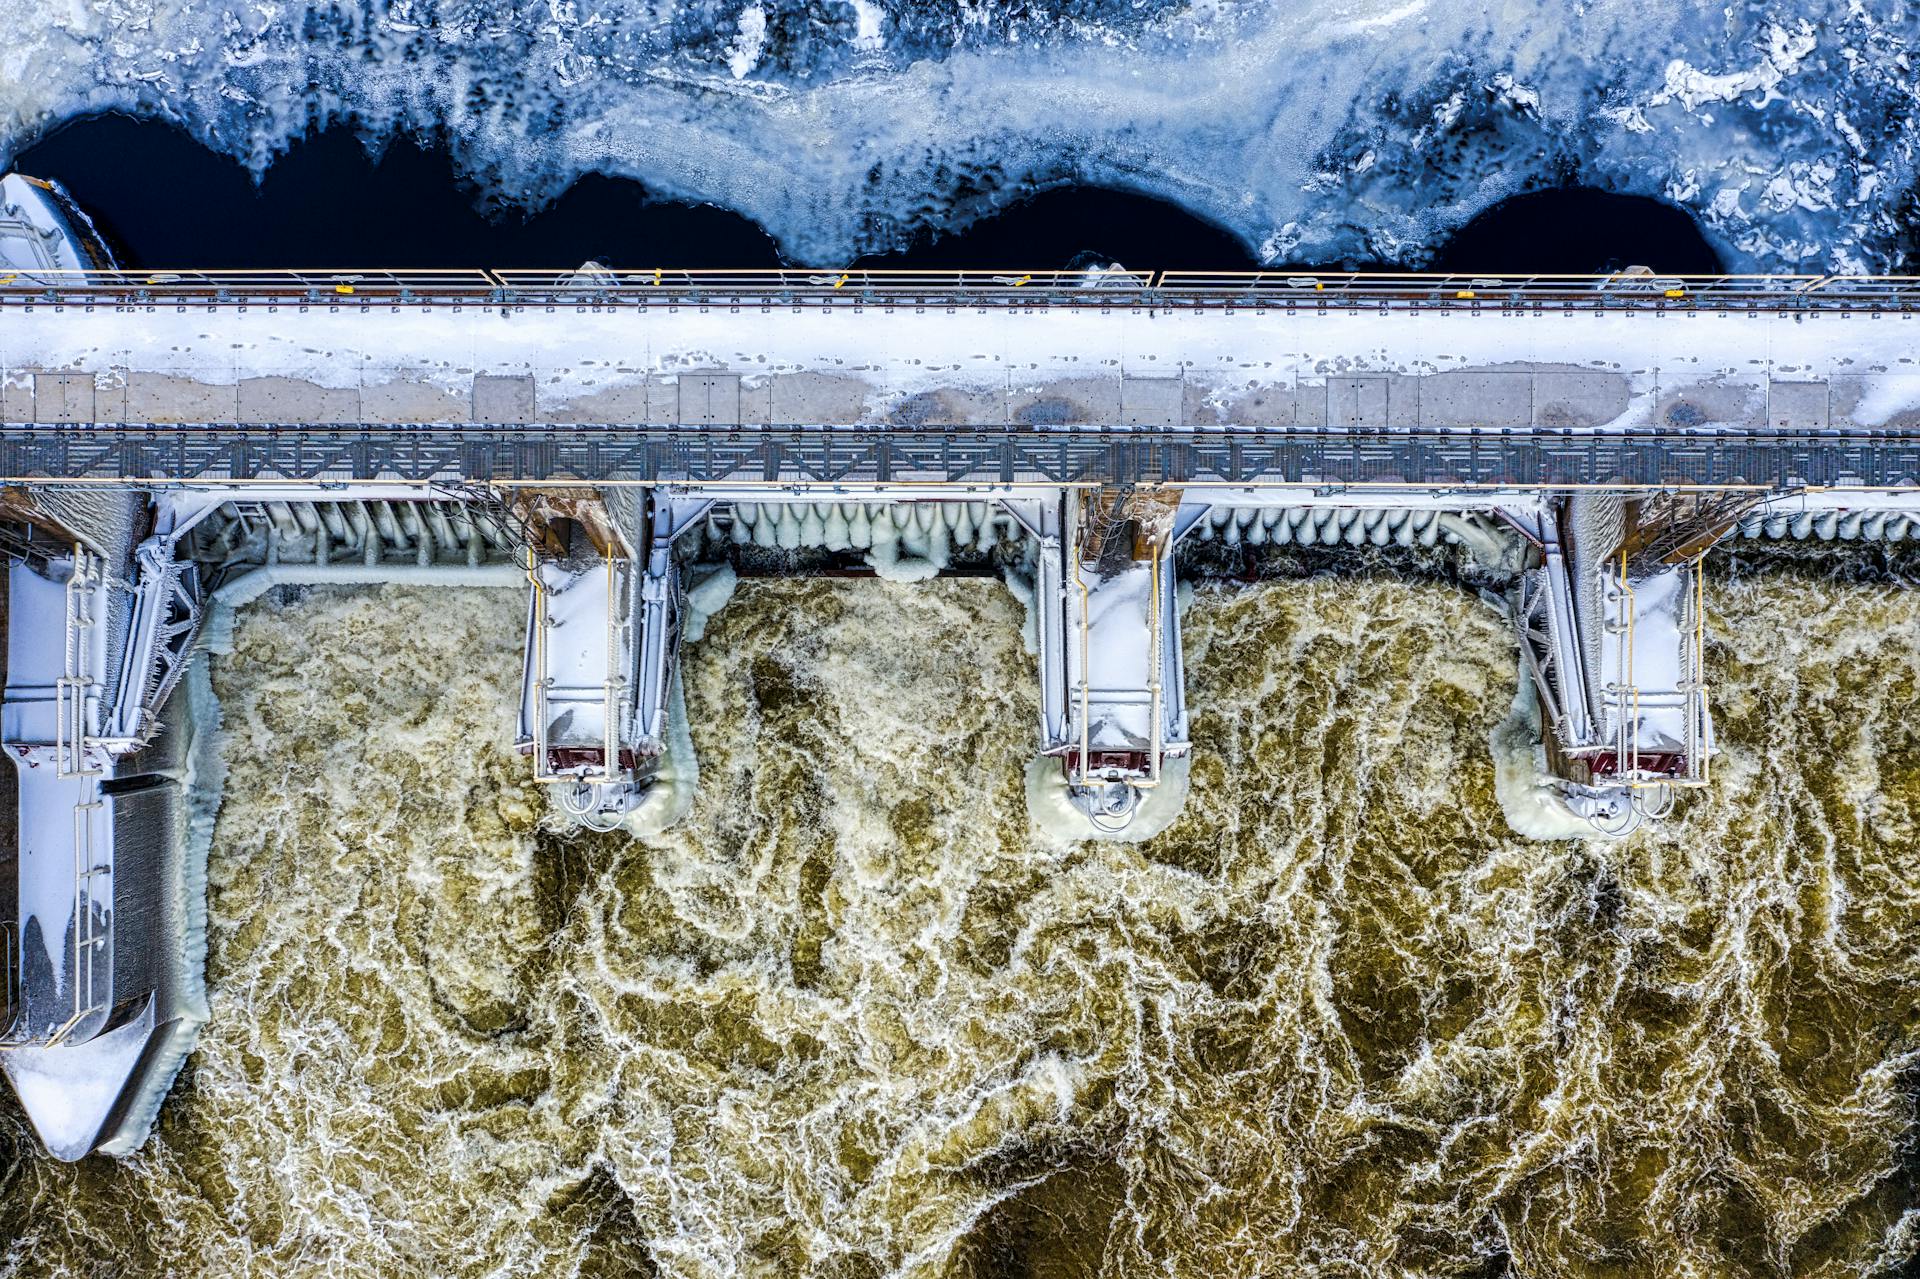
(853, 1021)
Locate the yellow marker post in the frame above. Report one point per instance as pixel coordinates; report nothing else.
(343, 288)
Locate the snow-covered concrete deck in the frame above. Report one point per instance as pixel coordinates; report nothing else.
(755, 361)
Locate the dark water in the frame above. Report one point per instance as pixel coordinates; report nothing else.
(163, 200)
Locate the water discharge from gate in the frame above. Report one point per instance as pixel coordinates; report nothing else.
(854, 1020)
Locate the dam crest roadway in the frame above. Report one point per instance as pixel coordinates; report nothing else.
(611, 443)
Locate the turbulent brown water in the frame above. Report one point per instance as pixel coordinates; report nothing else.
(854, 1021)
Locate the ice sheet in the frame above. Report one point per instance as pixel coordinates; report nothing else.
(1314, 130)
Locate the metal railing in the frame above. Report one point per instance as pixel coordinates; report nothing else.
(92, 929)
(1692, 690)
(368, 287)
(612, 690)
(9, 980)
(73, 726)
(1159, 548)
(832, 459)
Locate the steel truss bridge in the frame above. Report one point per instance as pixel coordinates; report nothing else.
(832, 457)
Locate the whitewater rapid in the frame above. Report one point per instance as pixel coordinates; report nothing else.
(1315, 130)
(855, 1019)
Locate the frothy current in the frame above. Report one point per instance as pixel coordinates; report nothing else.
(854, 1021)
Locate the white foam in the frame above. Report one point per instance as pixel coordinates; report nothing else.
(1053, 813)
(1530, 798)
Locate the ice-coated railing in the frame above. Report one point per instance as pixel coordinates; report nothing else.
(838, 458)
(9, 981)
(594, 286)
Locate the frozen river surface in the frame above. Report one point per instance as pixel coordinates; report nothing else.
(1315, 130)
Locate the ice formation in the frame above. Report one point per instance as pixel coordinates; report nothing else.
(1315, 131)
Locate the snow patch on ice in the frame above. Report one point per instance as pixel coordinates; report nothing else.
(744, 54)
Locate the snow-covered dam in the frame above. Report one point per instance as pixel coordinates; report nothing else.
(611, 443)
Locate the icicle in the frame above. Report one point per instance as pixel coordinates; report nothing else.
(1776, 526)
(1256, 529)
(965, 531)
(1326, 530)
(834, 528)
(1429, 534)
(1898, 527)
(860, 528)
(986, 524)
(1827, 524)
(1378, 531)
(813, 526)
(916, 531)
(1356, 530)
(1874, 526)
(1283, 526)
(1230, 532)
(1848, 526)
(742, 531)
(1803, 524)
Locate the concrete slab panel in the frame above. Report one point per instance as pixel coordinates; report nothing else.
(1267, 406)
(1798, 406)
(16, 398)
(1886, 401)
(410, 399)
(1472, 397)
(503, 398)
(622, 405)
(1564, 397)
(110, 396)
(756, 401)
(816, 399)
(296, 401)
(1310, 404)
(1710, 404)
(1076, 401)
(1357, 401)
(63, 397)
(1152, 401)
(951, 408)
(709, 399)
(171, 398)
(1403, 400)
